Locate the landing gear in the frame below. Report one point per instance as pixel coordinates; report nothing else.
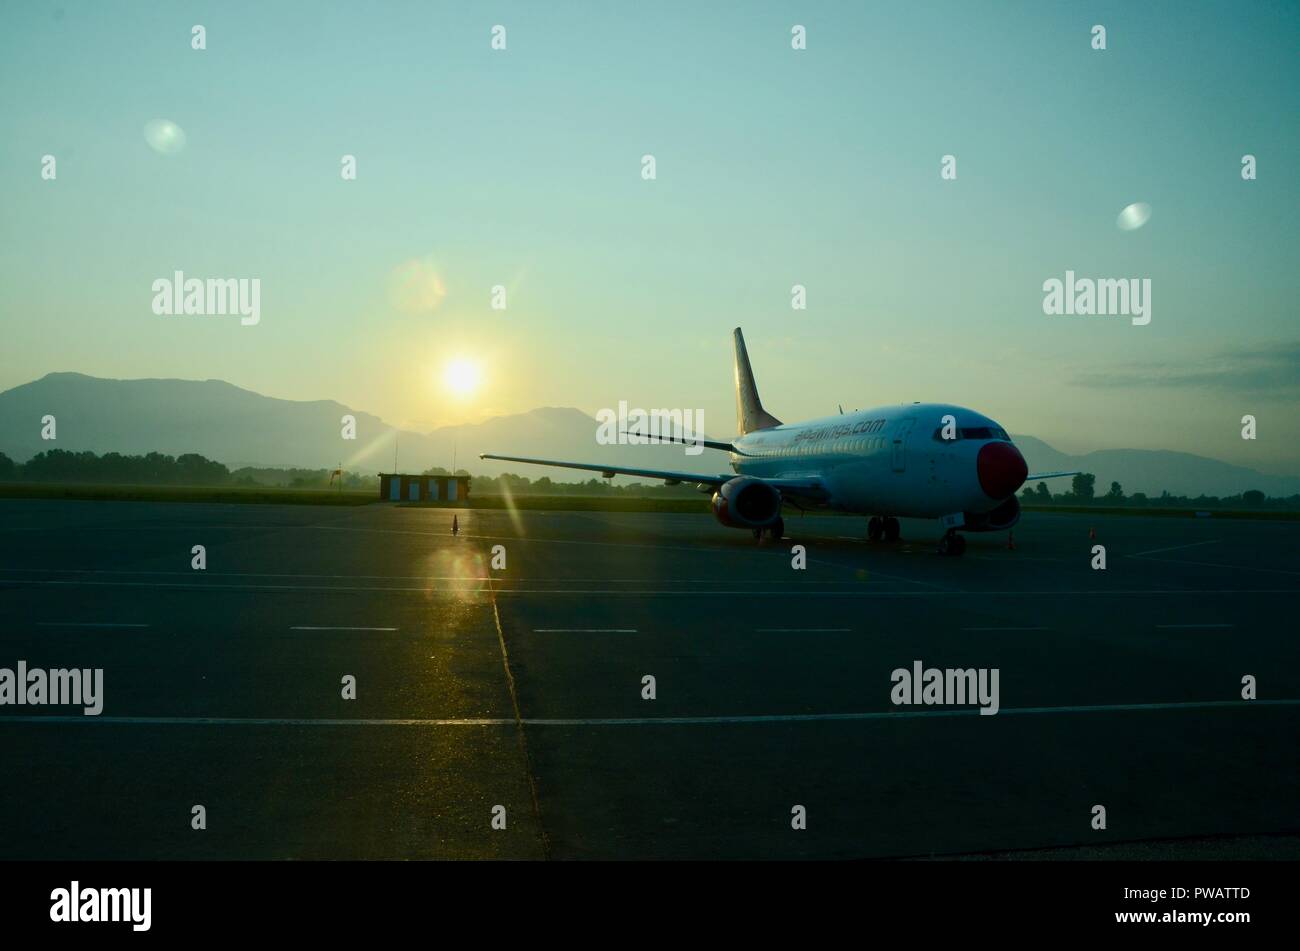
(952, 544)
(777, 530)
(886, 528)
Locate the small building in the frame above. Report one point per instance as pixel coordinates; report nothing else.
(398, 487)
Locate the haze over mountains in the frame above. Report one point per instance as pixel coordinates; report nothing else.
(239, 427)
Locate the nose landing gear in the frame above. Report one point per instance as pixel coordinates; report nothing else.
(775, 531)
(952, 544)
(886, 528)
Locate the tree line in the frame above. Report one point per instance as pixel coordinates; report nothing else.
(1083, 491)
(156, 468)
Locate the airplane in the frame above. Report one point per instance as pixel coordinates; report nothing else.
(915, 460)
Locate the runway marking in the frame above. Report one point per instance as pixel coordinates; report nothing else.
(306, 628)
(1180, 592)
(200, 585)
(521, 732)
(584, 630)
(1206, 564)
(425, 589)
(650, 721)
(1006, 629)
(1193, 625)
(354, 577)
(1016, 557)
(803, 630)
(1156, 551)
(85, 624)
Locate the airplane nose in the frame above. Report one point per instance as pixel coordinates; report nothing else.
(1001, 469)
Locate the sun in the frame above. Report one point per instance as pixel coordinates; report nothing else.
(462, 376)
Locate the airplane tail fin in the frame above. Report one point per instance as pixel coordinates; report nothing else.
(750, 414)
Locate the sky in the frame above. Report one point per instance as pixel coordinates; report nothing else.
(774, 167)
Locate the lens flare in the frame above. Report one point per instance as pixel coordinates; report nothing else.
(1134, 216)
(164, 136)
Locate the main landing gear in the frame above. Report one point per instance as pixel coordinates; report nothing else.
(952, 544)
(886, 528)
(775, 531)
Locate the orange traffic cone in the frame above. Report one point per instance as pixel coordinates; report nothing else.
(1011, 541)
(1092, 534)
(455, 525)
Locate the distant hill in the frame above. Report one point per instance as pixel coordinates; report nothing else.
(239, 427)
(1153, 471)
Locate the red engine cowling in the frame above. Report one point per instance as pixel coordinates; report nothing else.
(1001, 518)
(746, 503)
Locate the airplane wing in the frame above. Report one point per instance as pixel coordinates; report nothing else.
(805, 488)
(1047, 475)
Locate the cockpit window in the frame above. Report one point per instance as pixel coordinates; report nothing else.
(974, 432)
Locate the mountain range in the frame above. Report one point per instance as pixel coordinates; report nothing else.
(238, 427)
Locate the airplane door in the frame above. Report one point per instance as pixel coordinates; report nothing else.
(899, 460)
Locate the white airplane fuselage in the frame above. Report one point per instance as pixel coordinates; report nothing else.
(892, 460)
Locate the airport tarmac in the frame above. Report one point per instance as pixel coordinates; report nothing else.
(523, 687)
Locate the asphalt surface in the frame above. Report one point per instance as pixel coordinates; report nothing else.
(523, 687)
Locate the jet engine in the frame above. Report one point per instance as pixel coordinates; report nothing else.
(1000, 519)
(746, 503)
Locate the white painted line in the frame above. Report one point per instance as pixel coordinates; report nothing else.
(803, 630)
(653, 721)
(305, 628)
(1207, 564)
(584, 630)
(1156, 551)
(1005, 629)
(460, 591)
(786, 593)
(85, 624)
(1193, 625)
(356, 577)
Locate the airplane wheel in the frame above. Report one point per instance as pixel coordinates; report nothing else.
(958, 545)
(952, 545)
(758, 534)
(777, 530)
(875, 528)
(945, 545)
(892, 529)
